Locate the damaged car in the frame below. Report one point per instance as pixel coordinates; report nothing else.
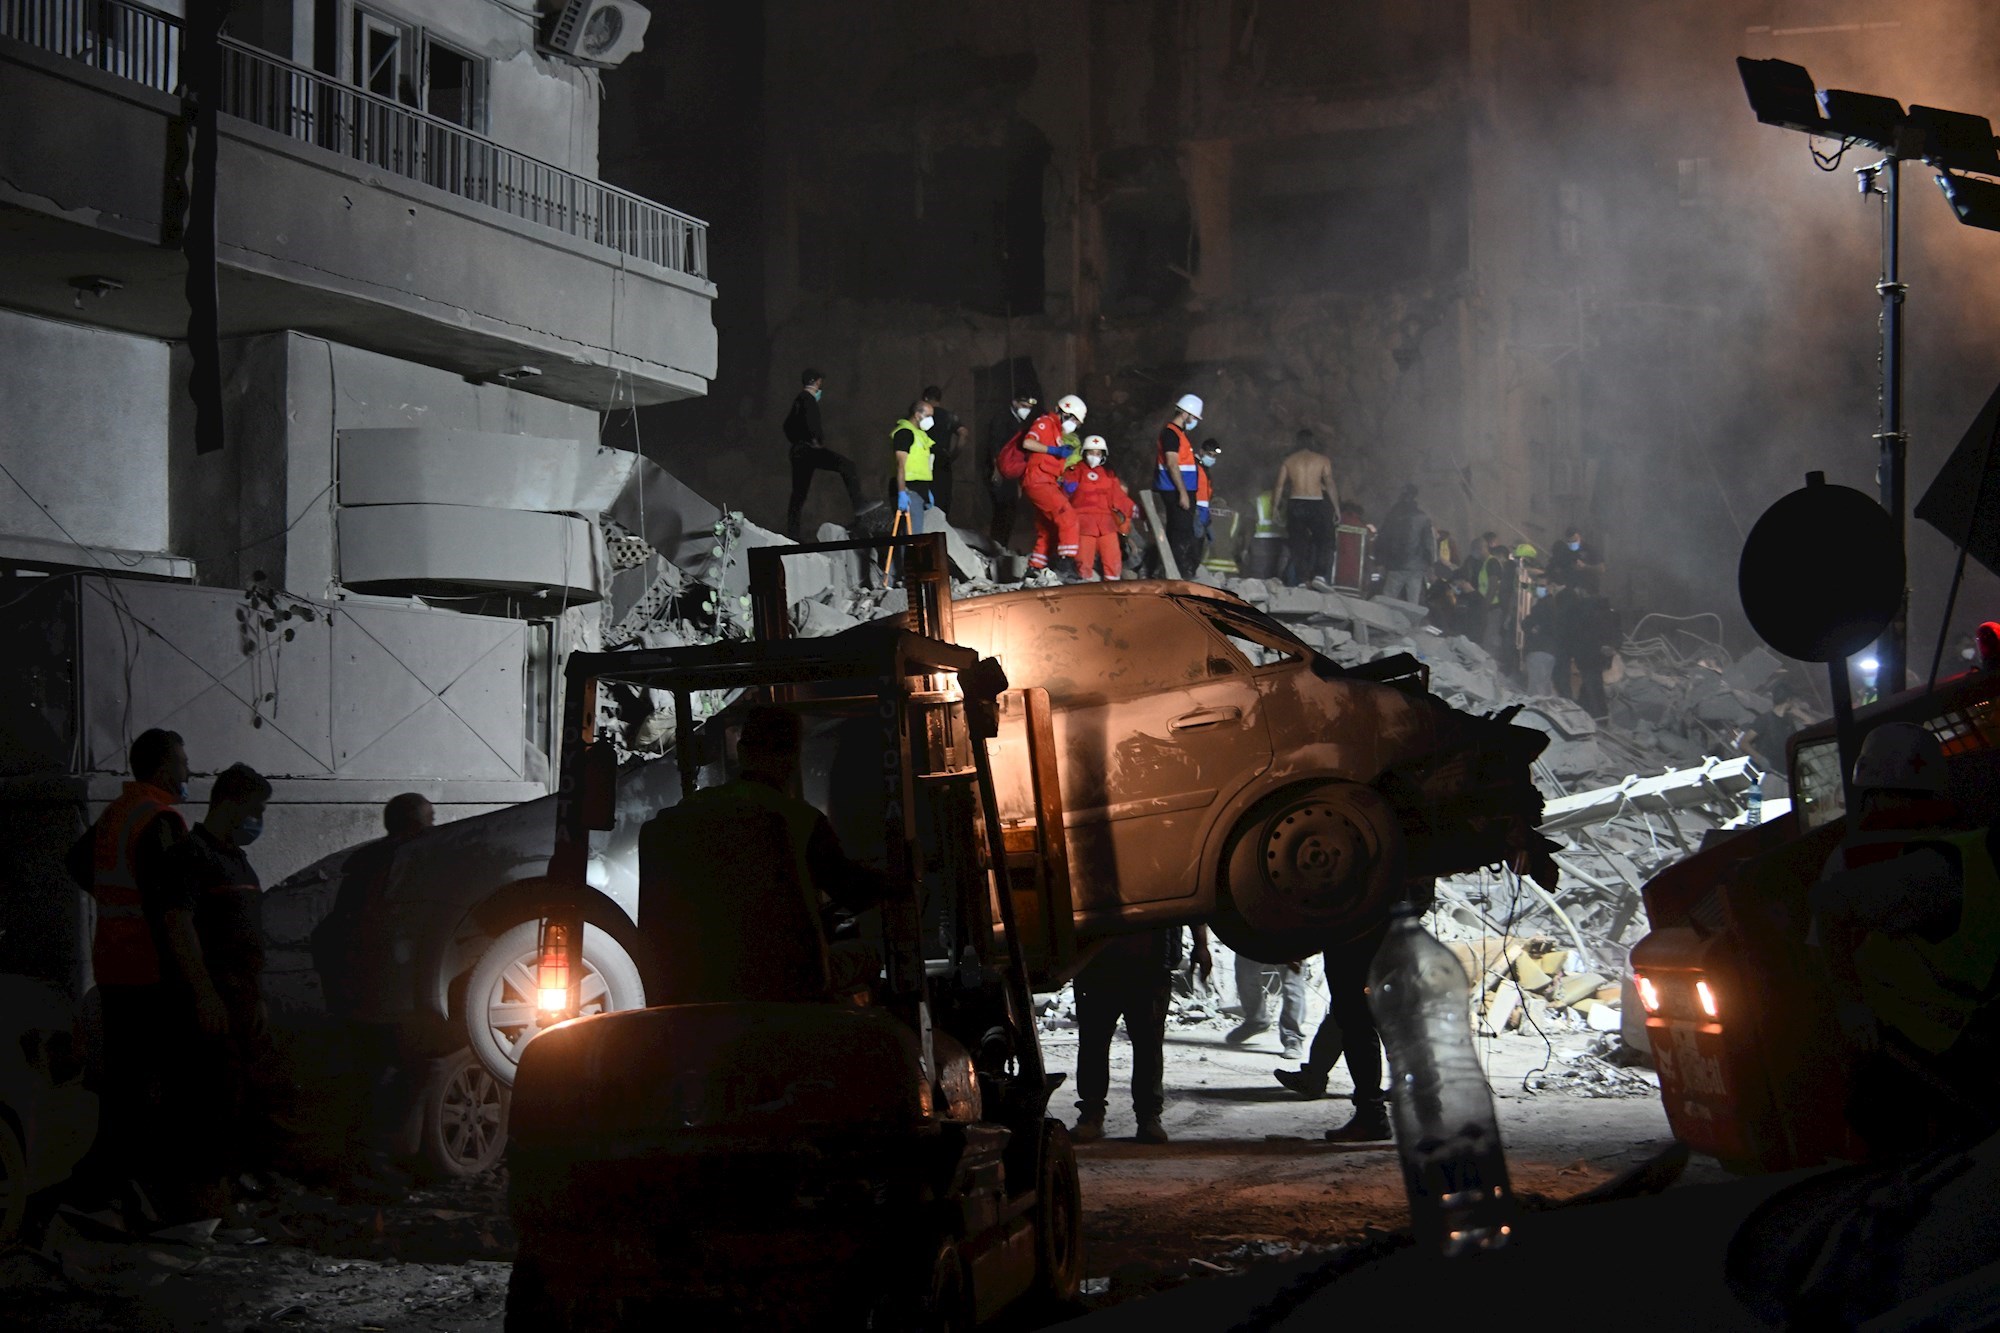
(1212, 767)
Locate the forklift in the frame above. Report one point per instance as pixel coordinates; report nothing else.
(882, 1158)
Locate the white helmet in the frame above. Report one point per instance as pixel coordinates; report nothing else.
(1900, 756)
(1190, 404)
(1071, 406)
(1096, 442)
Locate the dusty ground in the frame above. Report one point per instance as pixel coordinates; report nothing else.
(1246, 1182)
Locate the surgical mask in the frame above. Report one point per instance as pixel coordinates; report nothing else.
(926, 422)
(1541, 592)
(1576, 546)
(1208, 460)
(247, 832)
(1020, 412)
(180, 790)
(1095, 460)
(814, 393)
(1069, 425)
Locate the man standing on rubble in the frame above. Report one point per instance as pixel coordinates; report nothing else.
(1130, 977)
(1312, 505)
(119, 860)
(1005, 492)
(1586, 629)
(1177, 476)
(949, 434)
(1348, 1030)
(1046, 444)
(1407, 550)
(1906, 923)
(807, 439)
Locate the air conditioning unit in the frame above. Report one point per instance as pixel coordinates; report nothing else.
(597, 32)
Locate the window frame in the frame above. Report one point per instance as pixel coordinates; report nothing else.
(1222, 620)
(414, 62)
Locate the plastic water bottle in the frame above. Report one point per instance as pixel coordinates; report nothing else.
(1753, 803)
(1446, 1131)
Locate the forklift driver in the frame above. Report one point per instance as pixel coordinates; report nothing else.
(731, 882)
(1906, 919)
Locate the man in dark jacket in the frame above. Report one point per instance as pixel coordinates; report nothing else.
(731, 882)
(1130, 977)
(1005, 492)
(950, 433)
(1407, 549)
(210, 916)
(807, 439)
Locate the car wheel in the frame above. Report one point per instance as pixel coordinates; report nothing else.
(1323, 858)
(1058, 1218)
(13, 1184)
(465, 1119)
(500, 1013)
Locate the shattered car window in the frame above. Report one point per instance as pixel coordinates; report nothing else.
(1258, 645)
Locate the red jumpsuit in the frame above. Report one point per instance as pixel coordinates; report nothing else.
(1103, 511)
(1055, 521)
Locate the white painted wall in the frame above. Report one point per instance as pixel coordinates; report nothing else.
(83, 428)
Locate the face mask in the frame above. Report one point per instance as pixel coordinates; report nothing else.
(814, 393)
(1541, 592)
(1069, 425)
(1208, 460)
(248, 831)
(926, 422)
(180, 790)
(1095, 460)
(1021, 413)
(1576, 546)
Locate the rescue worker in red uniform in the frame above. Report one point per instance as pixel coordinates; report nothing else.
(1906, 920)
(1055, 519)
(118, 860)
(1103, 513)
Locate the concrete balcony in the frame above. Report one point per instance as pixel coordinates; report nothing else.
(341, 213)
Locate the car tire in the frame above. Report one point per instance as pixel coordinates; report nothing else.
(13, 1184)
(948, 1303)
(465, 1119)
(500, 1016)
(1312, 862)
(1058, 1219)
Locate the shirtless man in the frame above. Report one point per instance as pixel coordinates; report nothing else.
(1312, 507)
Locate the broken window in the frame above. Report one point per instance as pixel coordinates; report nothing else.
(381, 57)
(454, 85)
(1258, 645)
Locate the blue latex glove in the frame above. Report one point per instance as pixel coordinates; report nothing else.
(1069, 487)
(903, 501)
(1060, 450)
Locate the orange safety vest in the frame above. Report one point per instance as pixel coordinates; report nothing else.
(122, 953)
(1184, 460)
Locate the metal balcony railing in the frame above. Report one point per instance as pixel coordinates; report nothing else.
(143, 45)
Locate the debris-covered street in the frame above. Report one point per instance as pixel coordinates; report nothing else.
(1244, 1184)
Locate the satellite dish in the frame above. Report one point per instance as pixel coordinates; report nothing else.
(1822, 572)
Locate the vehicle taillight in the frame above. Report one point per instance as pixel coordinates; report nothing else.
(1707, 998)
(1649, 994)
(552, 969)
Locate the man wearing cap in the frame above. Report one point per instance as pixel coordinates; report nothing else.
(1178, 478)
(1005, 492)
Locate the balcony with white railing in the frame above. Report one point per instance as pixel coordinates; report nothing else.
(295, 141)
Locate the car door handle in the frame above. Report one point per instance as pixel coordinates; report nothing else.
(1205, 717)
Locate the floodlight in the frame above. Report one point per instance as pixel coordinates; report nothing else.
(1862, 117)
(1977, 202)
(1782, 93)
(1956, 140)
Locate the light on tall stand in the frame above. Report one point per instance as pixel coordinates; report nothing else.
(1953, 142)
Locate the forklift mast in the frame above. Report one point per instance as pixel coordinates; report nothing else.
(937, 704)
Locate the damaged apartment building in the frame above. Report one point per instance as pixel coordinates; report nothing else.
(428, 296)
(1453, 239)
